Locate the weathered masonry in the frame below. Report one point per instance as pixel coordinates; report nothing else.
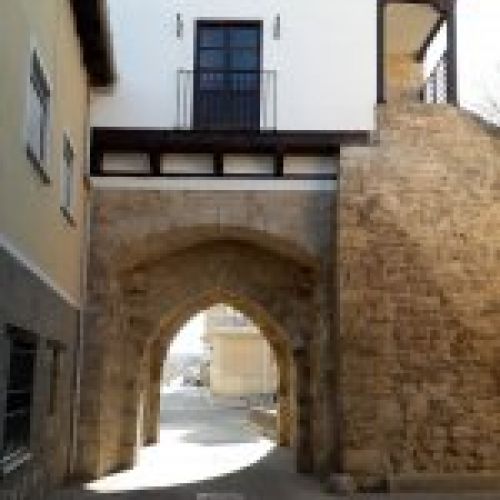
(350, 210)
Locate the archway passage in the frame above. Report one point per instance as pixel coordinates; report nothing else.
(211, 413)
(138, 310)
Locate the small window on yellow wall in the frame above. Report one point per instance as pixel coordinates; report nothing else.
(38, 118)
(68, 179)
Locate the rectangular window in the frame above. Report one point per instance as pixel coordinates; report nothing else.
(19, 395)
(227, 83)
(67, 179)
(37, 133)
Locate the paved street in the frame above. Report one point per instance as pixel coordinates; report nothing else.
(206, 447)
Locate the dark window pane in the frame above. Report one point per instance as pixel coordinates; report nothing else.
(211, 80)
(244, 60)
(211, 59)
(244, 37)
(211, 37)
(241, 82)
(19, 391)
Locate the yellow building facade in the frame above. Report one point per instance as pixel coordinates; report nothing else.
(47, 67)
(241, 361)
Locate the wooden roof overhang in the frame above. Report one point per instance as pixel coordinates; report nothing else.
(91, 23)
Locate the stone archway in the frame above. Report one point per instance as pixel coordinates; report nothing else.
(159, 344)
(134, 310)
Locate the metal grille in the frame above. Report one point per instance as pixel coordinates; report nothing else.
(226, 100)
(17, 418)
(435, 88)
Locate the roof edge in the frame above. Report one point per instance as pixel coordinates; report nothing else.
(92, 27)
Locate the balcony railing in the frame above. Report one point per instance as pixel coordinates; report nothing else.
(435, 89)
(226, 100)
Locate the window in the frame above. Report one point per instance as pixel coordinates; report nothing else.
(67, 179)
(19, 394)
(37, 132)
(228, 75)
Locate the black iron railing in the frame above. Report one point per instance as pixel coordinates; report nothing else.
(435, 89)
(226, 100)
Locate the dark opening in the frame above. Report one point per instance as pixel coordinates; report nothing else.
(19, 395)
(227, 79)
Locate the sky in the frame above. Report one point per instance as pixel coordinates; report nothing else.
(479, 54)
(188, 341)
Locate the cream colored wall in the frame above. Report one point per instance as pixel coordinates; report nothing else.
(30, 216)
(242, 363)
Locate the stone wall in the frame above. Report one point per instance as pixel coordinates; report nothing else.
(419, 273)
(159, 257)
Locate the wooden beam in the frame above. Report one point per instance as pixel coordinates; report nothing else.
(381, 51)
(278, 164)
(147, 141)
(155, 163)
(218, 162)
(452, 56)
(92, 28)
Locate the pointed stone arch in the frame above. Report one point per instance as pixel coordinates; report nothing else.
(138, 305)
(271, 331)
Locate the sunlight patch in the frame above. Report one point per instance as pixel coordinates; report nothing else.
(165, 465)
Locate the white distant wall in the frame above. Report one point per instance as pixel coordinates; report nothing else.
(326, 60)
(478, 55)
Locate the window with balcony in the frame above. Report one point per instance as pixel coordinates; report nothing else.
(227, 89)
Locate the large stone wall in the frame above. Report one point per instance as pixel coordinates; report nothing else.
(159, 257)
(419, 274)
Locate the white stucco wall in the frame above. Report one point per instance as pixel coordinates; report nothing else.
(478, 55)
(325, 58)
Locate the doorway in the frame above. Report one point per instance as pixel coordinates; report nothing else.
(227, 77)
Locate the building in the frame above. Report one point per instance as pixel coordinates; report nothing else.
(313, 165)
(51, 52)
(309, 165)
(241, 360)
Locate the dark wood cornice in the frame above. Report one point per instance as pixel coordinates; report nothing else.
(157, 142)
(93, 31)
(245, 142)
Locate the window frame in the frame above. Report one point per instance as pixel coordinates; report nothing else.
(68, 182)
(56, 351)
(224, 83)
(11, 459)
(40, 160)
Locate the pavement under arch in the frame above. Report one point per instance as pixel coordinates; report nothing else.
(207, 448)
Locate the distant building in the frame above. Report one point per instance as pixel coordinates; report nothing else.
(241, 360)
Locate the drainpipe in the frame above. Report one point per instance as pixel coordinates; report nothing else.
(84, 252)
